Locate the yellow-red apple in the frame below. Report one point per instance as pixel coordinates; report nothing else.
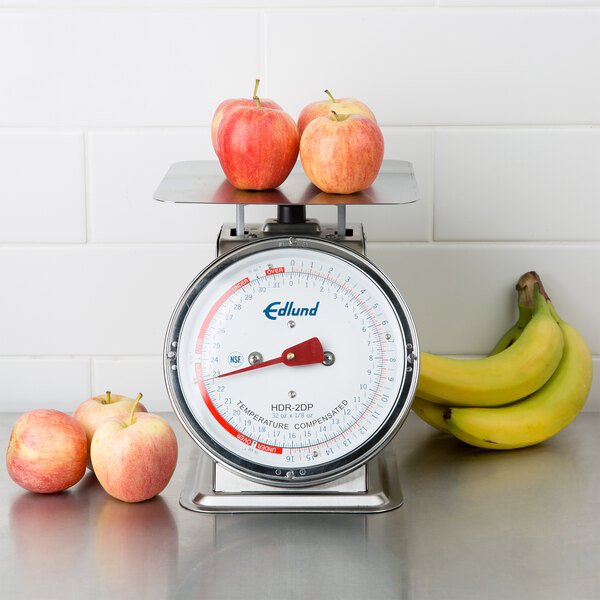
(134, 456)
(92, 412)
(342, 154)
(47, 451)
(227, 105)
(258, 146)
(322, 108)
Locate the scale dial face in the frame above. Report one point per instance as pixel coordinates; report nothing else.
(291, 360)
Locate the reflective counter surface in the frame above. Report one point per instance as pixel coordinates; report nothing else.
(475, 525)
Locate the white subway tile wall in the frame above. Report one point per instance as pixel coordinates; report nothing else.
(495, 102)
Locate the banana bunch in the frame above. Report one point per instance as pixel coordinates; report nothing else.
(533, 384)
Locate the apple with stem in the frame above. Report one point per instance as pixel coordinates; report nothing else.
(258, 146)
(342, 154)
(342, 106)
(227, 105)
(94, 411)
(47, 451)
(134, 456)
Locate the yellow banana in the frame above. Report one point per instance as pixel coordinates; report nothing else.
(515, 372)
(540, 415)
(514, 333)
(433, 413)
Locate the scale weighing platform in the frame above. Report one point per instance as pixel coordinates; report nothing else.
(291, 359)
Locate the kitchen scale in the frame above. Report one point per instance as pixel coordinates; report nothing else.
(291, 359)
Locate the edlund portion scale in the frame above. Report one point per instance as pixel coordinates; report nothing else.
(291, 359)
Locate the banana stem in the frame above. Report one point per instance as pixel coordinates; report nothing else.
(526, 287)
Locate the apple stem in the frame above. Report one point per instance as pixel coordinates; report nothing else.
(137, 401)
(335, 115)
(257, 101)
(329, 94)
(107, 396)
(255, 88)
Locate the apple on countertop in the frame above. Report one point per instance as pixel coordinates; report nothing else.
(47, 451)
(322, 108)
(92, 412)
(227, 105)
(135, 455)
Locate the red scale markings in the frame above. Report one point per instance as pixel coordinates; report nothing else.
(198, 369)
(229, 428)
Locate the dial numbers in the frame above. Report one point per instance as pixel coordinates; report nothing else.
(284, 415)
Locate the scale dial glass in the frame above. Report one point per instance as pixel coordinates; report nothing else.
(285, 423)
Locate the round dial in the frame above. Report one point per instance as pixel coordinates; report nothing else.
(291, 360)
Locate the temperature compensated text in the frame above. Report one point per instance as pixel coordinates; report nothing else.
(276, 424)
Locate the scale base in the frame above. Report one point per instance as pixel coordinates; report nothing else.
(372, 488)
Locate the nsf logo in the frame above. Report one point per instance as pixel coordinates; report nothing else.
(235, 359)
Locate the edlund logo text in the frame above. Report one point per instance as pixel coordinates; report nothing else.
(275, 309)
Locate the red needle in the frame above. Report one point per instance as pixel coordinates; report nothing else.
(309, 352)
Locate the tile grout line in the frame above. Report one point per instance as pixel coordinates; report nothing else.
(86, 186)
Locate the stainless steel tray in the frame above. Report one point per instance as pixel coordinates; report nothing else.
(203, 182)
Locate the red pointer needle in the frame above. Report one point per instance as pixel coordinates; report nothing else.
(309, 352)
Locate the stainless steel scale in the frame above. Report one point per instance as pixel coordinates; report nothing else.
(291, 359)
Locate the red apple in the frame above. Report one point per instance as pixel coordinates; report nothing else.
(96, 410)
(227, 105)
(258, 146)
(322, 108)
(342, 154)
(134, 456)
(47, 451)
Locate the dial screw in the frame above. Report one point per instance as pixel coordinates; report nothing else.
(171, 355)
(292, 394)
(302, 471)
(315, 453)
(255, 358)
(173, 367)
(290, 356)
(291, 324)
(174, 344)
(289, 475)
(277, 471)
(388, 336)
(329, 358)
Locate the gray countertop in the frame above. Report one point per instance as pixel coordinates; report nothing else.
(475, 524)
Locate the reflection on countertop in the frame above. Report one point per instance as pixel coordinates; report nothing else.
(475, 524)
